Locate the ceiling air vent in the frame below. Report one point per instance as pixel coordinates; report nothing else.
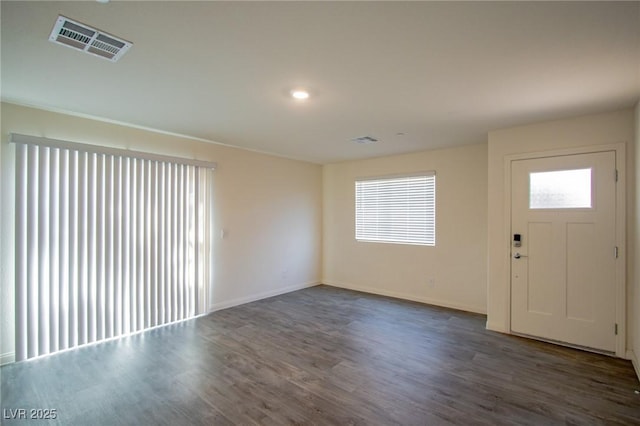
(364, 140)
(90, 40)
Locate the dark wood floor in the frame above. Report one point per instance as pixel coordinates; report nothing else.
(326, 356)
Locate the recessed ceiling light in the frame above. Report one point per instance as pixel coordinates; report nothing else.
(299, 94)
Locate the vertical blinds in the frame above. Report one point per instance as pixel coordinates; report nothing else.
(396, 209)
(107, 244)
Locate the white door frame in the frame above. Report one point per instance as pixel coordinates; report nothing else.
(621, 216)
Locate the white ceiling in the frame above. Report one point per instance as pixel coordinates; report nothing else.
(444, 74)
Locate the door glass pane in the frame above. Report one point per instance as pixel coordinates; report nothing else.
(563, 189)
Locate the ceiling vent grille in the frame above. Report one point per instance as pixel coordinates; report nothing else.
(90, 40)
(364, 140)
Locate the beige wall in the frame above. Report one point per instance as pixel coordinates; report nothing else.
(634, 294)
(458, 261)
(599, 129)
(270, 208)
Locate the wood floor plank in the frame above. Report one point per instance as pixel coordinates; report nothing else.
(325, 356)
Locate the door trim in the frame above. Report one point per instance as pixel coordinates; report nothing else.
(621, 216)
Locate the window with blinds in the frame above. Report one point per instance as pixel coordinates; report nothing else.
(108, 243)
(399, 209)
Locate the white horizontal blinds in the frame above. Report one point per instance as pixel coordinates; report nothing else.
(396, 209)
(106, 245)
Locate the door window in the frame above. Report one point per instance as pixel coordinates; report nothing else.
(561, 189)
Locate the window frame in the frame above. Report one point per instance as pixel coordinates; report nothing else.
(424, 235)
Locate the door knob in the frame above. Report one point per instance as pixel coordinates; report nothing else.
(518, 255)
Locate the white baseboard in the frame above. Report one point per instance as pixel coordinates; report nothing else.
(496, 326)
(634, 360)
(264, 295)
(397, 295)
(7, 358)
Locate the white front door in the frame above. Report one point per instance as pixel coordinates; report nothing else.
(563, 269)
